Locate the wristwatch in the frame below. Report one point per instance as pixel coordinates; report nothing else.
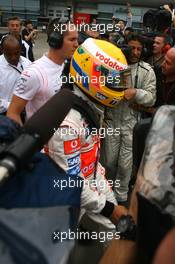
(127, 228)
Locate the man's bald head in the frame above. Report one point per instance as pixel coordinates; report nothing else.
(171, 53)
(168, 66)
(11, 49)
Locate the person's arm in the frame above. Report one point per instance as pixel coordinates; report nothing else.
(25, 90)
(120, 252)
(129, 9)
(146, 94)
(30, 36)
(130, 93)
(123, 251)
(4, 103)
(15, 109)
(129, 16)
(167, 8)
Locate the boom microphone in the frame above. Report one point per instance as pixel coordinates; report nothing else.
(37, 131)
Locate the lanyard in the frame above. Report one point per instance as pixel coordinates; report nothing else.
(12, 66)
(136, 77)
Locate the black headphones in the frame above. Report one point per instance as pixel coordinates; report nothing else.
(168, 44)
(55, 35)
(55, 40)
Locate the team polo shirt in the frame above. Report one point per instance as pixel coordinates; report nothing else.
(9, 75)
(38, 83)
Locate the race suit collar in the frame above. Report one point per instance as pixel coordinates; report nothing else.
(97, 108)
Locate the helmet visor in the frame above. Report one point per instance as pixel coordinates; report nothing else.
(117, 80)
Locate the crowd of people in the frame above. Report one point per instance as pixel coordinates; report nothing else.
(136, 83)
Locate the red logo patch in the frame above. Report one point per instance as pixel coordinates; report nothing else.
(88, 161)
(109, 62)
(26, 73)
(71, 146)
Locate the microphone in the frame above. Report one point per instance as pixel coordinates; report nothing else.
(37, 131)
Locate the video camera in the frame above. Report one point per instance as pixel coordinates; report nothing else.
(157, 20)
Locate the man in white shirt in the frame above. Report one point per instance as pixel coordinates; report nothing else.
(41, 80)
(11, 66)
(14, 27)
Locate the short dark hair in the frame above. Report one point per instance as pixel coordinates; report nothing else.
(118, 19)
(13, 19)
(130, 29)
(167, 38)
(27, 22)
(136, 37)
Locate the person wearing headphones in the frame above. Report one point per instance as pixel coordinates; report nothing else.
(39, 82)
(117, 149)
(162, 43)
